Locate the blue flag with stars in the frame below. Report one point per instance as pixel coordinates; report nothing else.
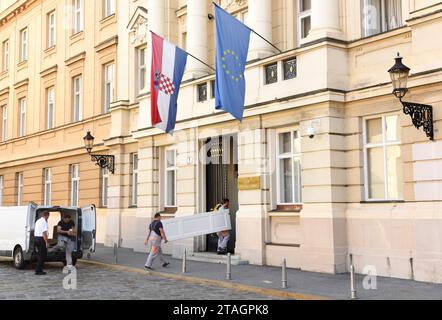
(232, 47)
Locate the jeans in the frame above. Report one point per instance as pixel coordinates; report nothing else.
(42, 251)
(68, 245)
(155, 251)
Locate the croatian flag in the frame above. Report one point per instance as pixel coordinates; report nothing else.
(168, 65)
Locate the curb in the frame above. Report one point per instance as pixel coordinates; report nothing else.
(216, 283)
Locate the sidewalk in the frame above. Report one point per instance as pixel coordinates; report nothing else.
(269, 278)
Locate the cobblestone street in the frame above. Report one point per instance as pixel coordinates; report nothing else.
(104, 283)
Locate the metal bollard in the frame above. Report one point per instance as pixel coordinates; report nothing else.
(284, 273)
(229, 267)
(184, 261)
(115, 253)
(352, 283)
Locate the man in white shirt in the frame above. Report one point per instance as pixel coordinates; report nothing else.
(41, 241)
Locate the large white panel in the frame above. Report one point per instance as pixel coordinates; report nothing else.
(427, 151)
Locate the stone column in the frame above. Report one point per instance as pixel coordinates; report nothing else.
(325, 20)
(260, 20)
(197, 42)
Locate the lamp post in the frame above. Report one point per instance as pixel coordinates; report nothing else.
(103, 161)
(421, 114)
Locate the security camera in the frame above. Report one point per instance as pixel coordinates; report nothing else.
(311, 132)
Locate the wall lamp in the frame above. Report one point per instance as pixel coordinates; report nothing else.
(421, 114)
(103, 161)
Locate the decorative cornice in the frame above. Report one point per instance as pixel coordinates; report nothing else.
(76, 58)
(21, 83)
(49, 71)
(106, 43)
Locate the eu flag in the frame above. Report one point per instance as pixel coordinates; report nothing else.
(232, 46)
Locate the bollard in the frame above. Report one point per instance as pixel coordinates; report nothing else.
(184, 261)
(115, 253)
(229, 267)
(284, 273)
(352, 283)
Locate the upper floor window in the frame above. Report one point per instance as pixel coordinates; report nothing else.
(78, 16)
(108, 89)
(382, 154)
(75, 184)
(19, 179)
(304, 18)
(5, 56)
(51, 33)
(22, 117)
(288, 168)
(50, 107)
(142, 67)
(133, 179)
(47, 188)
(170, 178)
(24, 45)
(380, 16)
(109, 8)
(77, 108)
(3, 123)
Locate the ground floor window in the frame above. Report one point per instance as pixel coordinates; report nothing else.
(104, 186)
(47, 173)
(170, 178)
(382, 155)
(19, 188)
(75, 184)
(133, 179)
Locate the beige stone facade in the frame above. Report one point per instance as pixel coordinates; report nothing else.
(367, 186)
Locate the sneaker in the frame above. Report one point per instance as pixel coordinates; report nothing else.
(165, 264)
(148, 268)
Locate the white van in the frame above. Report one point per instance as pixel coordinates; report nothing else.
(17, 232)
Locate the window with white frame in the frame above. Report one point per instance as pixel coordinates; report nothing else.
(380, 15)
(108, 86)
(4, 115)
(24, 45)
(19, 188)
(47, 186)
(78, 16)
(104, 186)
(109, 8)
(142, 67)
(170, 177)
(134, 179)
(22, 117)
(50, 107)
(5, 60)
(382, 155)
(288, 167)
(304, 18)
(51, 33)
(77, 107)
(1, 190)
(75, 184)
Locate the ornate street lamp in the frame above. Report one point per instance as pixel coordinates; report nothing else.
(103, 161)
(421, 114)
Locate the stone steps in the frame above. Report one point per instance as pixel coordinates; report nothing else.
(214, 258)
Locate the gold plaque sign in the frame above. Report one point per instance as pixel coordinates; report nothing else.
(249, 183)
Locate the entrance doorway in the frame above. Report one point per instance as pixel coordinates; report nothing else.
(222, 182)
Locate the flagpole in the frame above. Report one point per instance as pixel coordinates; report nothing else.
(280, 51)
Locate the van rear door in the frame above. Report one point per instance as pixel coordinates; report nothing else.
(30, 225)
(88, 228)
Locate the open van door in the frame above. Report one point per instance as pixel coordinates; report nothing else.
(88, 228)
(30, 225)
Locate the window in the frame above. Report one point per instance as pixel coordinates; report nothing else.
(108, 86)
(1, 190)
(104, 186)
(243, 16)
(212, 89)
(382, 154)
(304, 18)
(5, 47)
(24, 45)
(109, 8)
(22, 117)
(170, 179)
(271, 73)
(202, 92)
(19, 188)
(134, 179)
(51, 29)
(50, 106)
(290, 68)
(47, 186)
(75, 184)
(184, 40)
(380, 16)
(77, 99)
(78, 16)
(142, 68)
(288, 167)
(4, 119)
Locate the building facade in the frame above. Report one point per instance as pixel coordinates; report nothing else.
(325, 167)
